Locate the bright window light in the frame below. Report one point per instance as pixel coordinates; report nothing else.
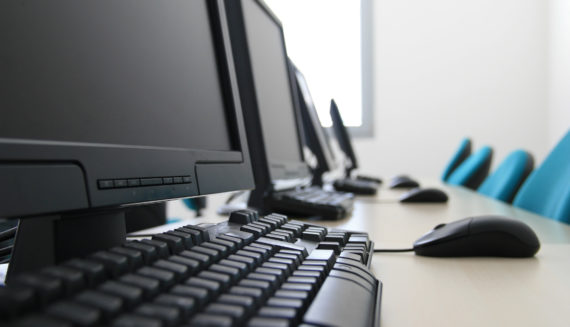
(323, 40)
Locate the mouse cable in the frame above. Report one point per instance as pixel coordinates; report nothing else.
(393, 250)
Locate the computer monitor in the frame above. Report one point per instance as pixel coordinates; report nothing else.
(110, 104)
(316, 136)
(269, 99)
(343, 139)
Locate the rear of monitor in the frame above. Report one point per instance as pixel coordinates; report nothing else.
(97, 118)
(343, 139)
(267, 90)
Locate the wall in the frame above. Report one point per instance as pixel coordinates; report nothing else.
(559, 70)
(445, 69)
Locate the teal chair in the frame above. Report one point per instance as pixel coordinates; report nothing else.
(460, 155)
(506, 180)
(547, 190)
(473, 170)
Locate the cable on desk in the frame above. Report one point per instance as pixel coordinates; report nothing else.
(393, 250)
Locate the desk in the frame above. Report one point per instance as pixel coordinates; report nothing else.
(421, 291)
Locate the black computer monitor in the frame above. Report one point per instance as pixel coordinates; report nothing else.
(316, 136)
(343, 139)
(109, 104)
(270, 103)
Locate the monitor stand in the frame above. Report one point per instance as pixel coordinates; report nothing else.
(48, 240)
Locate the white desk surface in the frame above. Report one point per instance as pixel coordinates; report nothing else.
(422, 291)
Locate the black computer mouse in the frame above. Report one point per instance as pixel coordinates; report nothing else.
(403, 182)
(485, 236)
(419, 195)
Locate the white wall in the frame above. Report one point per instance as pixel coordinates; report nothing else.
(559, 70)
(445, 69)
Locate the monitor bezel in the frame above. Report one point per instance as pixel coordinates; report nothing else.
(270, 176)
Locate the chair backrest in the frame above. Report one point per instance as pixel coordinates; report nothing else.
(547, 189)
(506, 180)
(458, 157)
(473, 170)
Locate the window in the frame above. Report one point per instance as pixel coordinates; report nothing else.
(329, 41)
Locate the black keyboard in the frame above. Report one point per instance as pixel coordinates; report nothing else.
(248, 271)
(369, 179)
(313, 201)
(356, 186)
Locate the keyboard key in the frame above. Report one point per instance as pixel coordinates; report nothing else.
(230, 245)
(204, 234)
(175, 243)
(199, 294)
(236, 312)
(234, 273)
(214, 254)
(109, 306)
(239, 243)
(43, 321)
(160, 247)
(170, 316)
(75, 313)
(149, 286)
(244, 236)
(280, 313)
(213, 286)
(335, 246)
(191, 264)
(46, 288)
(256, 231)
(322, 255)
(246, 302)
(209, 320)
(134, 257)
(196, 235)
(73, 279)
(130, 295)
(272, 276)
(222, 249)
(133, 320)
(202, 259)
(312, 236)
(148, 252)
(165, 277)
(15, 301)
(94, 272)
(240, 217)
(268, 322)
(255, 293)
(115, 264)
(225, 280)
(186, 238)
(185, 305)
(241, 267)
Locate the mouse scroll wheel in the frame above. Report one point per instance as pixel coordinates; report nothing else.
(439, 226)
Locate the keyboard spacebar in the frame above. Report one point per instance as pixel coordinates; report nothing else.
(342, 302)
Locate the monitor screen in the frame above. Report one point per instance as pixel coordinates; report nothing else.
(319, 140)
(113, 73)
(273, 85)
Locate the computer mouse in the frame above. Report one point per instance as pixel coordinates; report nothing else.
(484, 236)
(425, 195)
(403, 182)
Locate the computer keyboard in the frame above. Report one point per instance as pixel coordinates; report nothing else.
(355, 186)
(247, 271)
(369, 179)
(313, 201)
